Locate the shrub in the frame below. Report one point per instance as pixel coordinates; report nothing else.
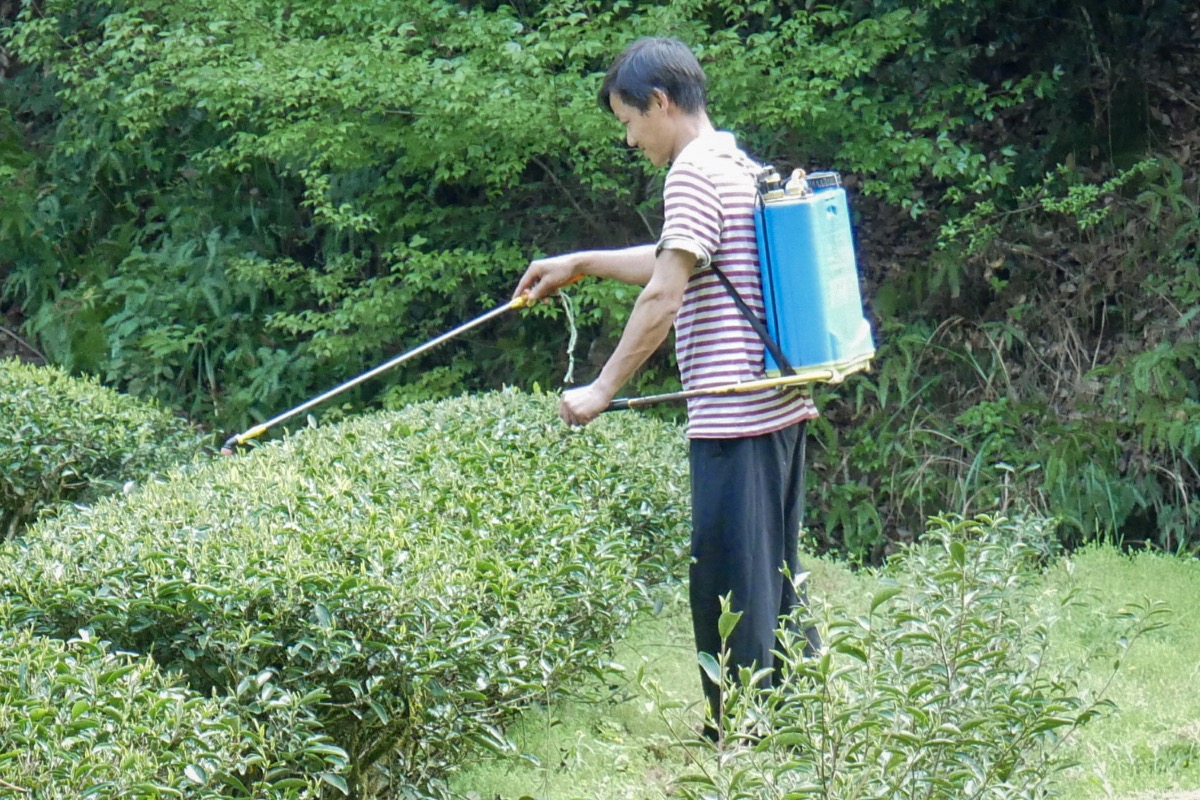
(952, 421)
(414, 576)
(70, 439)
(947, 686)
(80, 720)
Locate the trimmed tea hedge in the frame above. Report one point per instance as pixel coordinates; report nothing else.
(78, 720)
(70, 439)
(417, 576)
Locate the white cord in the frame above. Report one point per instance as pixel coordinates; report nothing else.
(569, 378)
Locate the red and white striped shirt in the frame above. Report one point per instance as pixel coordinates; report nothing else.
(709, 202)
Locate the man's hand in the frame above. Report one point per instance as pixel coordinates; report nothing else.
(580, 406)
(545, 276)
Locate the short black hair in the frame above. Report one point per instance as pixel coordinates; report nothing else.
(655, 63)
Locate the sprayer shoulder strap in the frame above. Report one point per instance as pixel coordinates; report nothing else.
(773, 348)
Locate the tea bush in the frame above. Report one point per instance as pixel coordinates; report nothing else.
(70, 439)
(948, 684)
(414, 577)
(78, 719)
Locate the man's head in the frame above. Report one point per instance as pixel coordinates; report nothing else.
(666, 65)
(656, 90)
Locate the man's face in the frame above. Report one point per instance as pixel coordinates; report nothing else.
(650, 131)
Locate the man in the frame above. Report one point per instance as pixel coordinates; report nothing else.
(746, 450)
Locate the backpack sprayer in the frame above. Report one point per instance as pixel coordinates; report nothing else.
(810, 276)
(815, 330)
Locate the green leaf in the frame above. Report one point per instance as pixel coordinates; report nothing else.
(290, 783)
(727, 622)
(710, 666)
(883, 595)
(336, 781)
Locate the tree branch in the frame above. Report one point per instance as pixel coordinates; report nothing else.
(24, 344)
(6, 785)
(571, 197)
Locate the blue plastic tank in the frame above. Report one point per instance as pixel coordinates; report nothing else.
(810, 278)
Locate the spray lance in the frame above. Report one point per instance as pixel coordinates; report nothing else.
(799, 377)
(263, 427)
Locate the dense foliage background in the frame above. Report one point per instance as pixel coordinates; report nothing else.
(230, 206)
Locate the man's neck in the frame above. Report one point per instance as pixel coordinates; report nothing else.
(690, 128)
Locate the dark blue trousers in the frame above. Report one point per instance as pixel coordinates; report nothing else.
(747, 511)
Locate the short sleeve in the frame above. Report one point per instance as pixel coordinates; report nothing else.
(691, 214)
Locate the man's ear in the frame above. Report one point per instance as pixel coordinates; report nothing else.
(661, 99)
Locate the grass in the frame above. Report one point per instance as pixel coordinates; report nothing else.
(622, 740)
(611, 745)
(1150, 748)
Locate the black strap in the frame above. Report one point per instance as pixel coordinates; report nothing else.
(785, 366)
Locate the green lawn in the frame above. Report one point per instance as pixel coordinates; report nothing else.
(1151, 746)
(622, 740)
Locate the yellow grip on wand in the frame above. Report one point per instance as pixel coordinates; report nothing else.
(522, 300)
(242, 438)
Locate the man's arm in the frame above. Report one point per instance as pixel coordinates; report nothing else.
(545, 275)
(648, 326)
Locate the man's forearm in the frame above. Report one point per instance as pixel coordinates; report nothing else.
(650, 321)
(646, 330)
